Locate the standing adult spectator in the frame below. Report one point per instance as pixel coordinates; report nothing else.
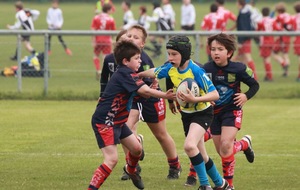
(282, 22)
(128, 18)
(169, 13)
(102, 43)
(266, 42)
(243, 23)
(24, 19)
(297, 38)
(55, 21)
(188, 15)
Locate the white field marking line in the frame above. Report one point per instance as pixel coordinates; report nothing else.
(59, 154)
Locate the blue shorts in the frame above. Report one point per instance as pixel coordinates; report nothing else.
(230, 118)
(203, 118)
(151, 112)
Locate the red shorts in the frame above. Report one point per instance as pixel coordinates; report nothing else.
(230, 118)
(266, 50)
(105, 48)
(245, 48)
(282, 44)
(297, 46)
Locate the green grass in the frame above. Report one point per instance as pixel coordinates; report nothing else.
(50, 145)
(74, 77)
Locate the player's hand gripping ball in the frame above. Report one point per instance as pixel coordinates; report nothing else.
(192, 85)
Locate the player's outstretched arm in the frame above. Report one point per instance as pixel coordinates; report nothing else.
(145, 90)
(148, 73)
(190, 98)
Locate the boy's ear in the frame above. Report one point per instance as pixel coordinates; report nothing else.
(229, 54)
(124, 61)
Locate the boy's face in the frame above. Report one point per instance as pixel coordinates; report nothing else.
(134, 63)
(136, 36)
(219, 53)
(174, 57)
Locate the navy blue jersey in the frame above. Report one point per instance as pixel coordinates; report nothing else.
(227, 81)
(109, 67)
(114, 105)
(243, 23)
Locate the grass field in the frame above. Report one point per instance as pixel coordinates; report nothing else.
(50, 145)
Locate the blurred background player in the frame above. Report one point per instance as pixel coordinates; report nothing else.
(100, 3)
(212, 22)
(226, 15)
(162, 24)
(243, 23)
(266, 42)
(151, 110)
(227, 76)
(297, 38)
(282, 22)
(170, 14)
(55, 21)
(102, 43)
(24, 19)
(142, 20)
(128, 18)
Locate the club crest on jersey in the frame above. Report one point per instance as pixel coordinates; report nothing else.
(209, 75)
(231, 77)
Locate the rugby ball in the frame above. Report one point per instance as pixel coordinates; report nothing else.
(192, 85)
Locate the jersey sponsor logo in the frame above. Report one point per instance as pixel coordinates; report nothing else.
(231, 77)
(209, 75)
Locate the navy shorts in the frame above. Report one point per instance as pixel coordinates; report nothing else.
(230, 118)
(25, 38)
(151, 112)
(110, 135)
(203, 118)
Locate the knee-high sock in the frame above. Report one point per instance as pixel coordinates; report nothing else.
(100, 175)
(192, 170)
(252, 66)
(199, 166)
(174, 162)
(268, 69)
(132, 162)
(228, 165)
(213, 173)
(97, 63)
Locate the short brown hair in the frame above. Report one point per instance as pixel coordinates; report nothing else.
(19, 5)
(227, 40)
(125, 50)
(106, 7)
(139, 27)
(280, 7)
(297, 7)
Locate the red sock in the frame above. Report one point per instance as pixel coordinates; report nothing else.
(228, 165)
(100, 175)
(207, 135)
(239, 146)
(174, 162)
(268, 69)
(192, 170)
(132, 162)
(252, 66)
(97, 63)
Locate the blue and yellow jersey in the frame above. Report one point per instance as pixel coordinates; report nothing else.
(192, 71)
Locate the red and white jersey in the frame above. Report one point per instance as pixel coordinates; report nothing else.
(266, 24)
(283, 21)
(226, 15)
(296, 22)
(212, 22)
(103, 21)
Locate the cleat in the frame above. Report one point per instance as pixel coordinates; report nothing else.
(267, 79)
(13, 58)
(249, 152)
(125, 176)
(174, 173)
(136, 179)
(141, 139)
(225, 186)
(203, 187)
(285, 70)
(191, 181)
(230, 188)
(68, 51)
